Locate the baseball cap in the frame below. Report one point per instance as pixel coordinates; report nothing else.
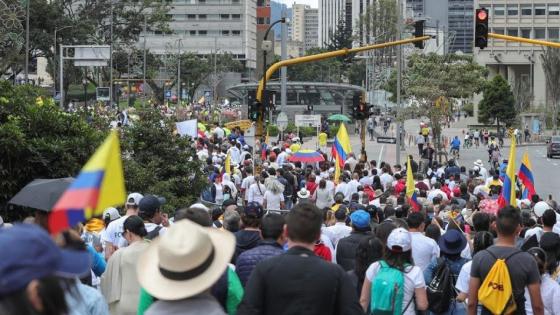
(150, 203)
(40, 257)
(112, 213)
(133, 199)
(254, 209)
(360, 219)
(399, 240)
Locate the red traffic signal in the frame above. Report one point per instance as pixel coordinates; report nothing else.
(481, 14)
(481, 28)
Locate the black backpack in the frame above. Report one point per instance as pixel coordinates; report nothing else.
(153, 233)
(441, 290)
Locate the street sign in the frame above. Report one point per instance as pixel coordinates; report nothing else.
(386, 140)
(102, 94)
(167, 94)
(308, 120)
(282, 121)
(250, 136)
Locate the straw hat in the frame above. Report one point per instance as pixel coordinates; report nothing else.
(185, 261)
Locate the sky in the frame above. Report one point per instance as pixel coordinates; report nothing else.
(312, 3)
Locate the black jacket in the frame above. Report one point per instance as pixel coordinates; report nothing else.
(346, 249)
(247, 261)
(299, 282)
(245, 240)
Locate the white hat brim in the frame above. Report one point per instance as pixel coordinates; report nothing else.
(162, 288)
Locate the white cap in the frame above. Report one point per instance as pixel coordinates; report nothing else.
(199, 205)
(134, 199)
(113, 213)
(540, 207)
(399, 240)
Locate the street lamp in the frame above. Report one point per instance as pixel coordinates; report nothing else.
(267, 45)
(85, 84)
(56, 30)
(179, 71)
(27, 12)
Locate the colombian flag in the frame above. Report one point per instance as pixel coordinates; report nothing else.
(411, 189)
(525, 175)
(99, 185)
(227, 164)
(341, 146)
(508, 190)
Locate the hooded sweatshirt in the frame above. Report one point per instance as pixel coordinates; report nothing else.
(245, 240)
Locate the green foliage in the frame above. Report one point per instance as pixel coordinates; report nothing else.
(328, 70)
(497, 103)
(39, 141)
(551, 66)
(469, 109)
(341, 38)
(158, 162)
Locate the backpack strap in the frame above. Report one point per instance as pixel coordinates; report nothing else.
(408, 304)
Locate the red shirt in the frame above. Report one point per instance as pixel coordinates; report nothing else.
(311, 187)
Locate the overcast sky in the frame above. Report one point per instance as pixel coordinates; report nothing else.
(312, 3)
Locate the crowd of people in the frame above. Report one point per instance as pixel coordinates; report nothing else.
(283, 237)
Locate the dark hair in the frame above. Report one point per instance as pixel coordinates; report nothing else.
(540, 257)
(196, 215)
(482, 240)
(272, 226)
(389, 211)
(433, 231)
(250, 221)
(549, 218)
(304, 223)
(481, 221)
(231, 221)
(51, 293)
(383, 230)
(415, 220)
(508, 220)
(135, 225)
(370, 249)
(322, 184)
(399, 260)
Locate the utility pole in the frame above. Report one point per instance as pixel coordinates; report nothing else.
(399, 79)
(179, 71)
(27, 41)
(284, 70)
(111, 91)
(144, 71)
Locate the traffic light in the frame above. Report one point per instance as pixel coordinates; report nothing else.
(309, 108)
(481, 28)
(254, 111)
(419, 32)
(356, 99)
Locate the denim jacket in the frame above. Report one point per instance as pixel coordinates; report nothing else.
(454, 266)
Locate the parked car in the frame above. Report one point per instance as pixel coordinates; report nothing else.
(553, 147)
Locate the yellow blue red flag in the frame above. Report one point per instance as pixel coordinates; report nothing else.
(508, 190)
(411, 188)
(341, 146)
(99, 185)
(525, 175)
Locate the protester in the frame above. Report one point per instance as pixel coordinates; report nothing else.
(113, 235)
(346, 248)
(250, 235)
(313, 287)
(550, 289)
(425, 248)
(370, 250)
(339, 230)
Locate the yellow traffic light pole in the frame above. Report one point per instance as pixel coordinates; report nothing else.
(524, 40)
(326, 55)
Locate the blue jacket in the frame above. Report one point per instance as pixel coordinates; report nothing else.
(456, 144)
(247, 261)
(454, 266)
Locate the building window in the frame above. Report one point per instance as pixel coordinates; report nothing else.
(192, 33)
(224, 16)
(540, 33)
(512, 32)
(202, 16)
(498, 30)
(526, 9)
(526, 32)
(553, 9)
(554, 34)
(236, 16)
(512, 9)
(540, 9)
(235, 33)
(201, 1)
(235, 1)
(202, 33)
(499, 10)
(191, 16)
(225, 33)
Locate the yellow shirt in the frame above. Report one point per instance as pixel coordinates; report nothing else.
(323, 139)
(425, 131)
(295, 147)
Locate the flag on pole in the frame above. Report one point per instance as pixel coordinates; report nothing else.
(411, 188)
(99, 185)
(508, 189)
(337, 171)
(525, 175)
(227, 164)
(341, 146)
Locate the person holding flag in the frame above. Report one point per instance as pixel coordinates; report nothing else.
(525, 175)
(411, 188)
(507, 196)
(340, 150)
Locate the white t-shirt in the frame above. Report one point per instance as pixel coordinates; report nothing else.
(256, 193)
(462, 284)
(273, 201)
(152, 226)
(386, 180)
(246, 183)
(413, 279)
(114, 233)
(424, 249)
(550, 293)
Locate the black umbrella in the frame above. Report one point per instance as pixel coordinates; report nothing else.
(41, 194)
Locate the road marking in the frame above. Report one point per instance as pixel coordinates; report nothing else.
(381, 153)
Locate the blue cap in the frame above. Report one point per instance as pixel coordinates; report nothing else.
(254, 209)
(29, 253)
(360, 219)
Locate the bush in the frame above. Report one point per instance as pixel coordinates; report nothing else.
(469, 109)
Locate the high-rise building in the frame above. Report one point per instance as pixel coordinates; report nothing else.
(263, 22)
(305, 26)
(454, 16)
(331, 11)
(520, 64)
(208, 26)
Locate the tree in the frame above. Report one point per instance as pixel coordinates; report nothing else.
(497, 104)
(328, 70)
(339, 39)
(522, 94)
(39, 141)
(551, 65)
(158, 162)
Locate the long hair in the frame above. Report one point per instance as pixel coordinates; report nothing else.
(369, 250)
(399, 261)
(51, 293)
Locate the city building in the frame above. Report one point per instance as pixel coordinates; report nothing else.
(294, 49)
(331, 11)
(305, 25)
(454, 17)
(209, 26)
(520, 64)
(263, 22)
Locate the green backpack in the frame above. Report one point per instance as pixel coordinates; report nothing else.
(387, 291)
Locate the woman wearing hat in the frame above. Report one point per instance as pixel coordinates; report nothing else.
(119, 284)
(399, 256)
(451, 244)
